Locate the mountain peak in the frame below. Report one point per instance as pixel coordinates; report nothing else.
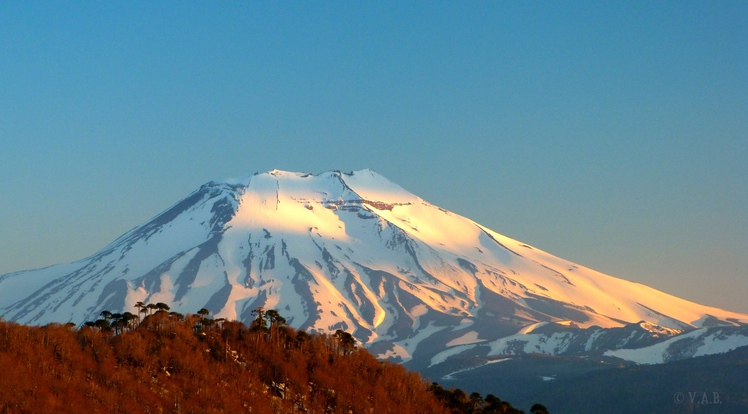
(329, 186)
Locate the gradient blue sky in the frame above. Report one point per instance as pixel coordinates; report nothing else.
(614, 135)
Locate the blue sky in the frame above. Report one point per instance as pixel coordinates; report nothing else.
(614, 135)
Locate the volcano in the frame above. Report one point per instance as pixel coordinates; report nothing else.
(355, 251)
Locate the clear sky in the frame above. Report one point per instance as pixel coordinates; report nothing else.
(614, 135)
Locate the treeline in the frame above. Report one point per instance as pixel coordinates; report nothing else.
(161, 362)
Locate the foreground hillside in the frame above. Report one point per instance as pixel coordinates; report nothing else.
(169, 363)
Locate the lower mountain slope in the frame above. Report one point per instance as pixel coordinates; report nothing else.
(571, 384)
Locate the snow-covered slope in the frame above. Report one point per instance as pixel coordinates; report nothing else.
(342, 250)
(698, 342)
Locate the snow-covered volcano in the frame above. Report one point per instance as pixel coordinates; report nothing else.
(349, 251)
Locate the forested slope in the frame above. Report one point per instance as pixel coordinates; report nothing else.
(174, 364)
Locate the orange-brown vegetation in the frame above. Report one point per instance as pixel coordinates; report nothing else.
(173, 364)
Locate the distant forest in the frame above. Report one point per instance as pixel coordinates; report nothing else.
(156, 361)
